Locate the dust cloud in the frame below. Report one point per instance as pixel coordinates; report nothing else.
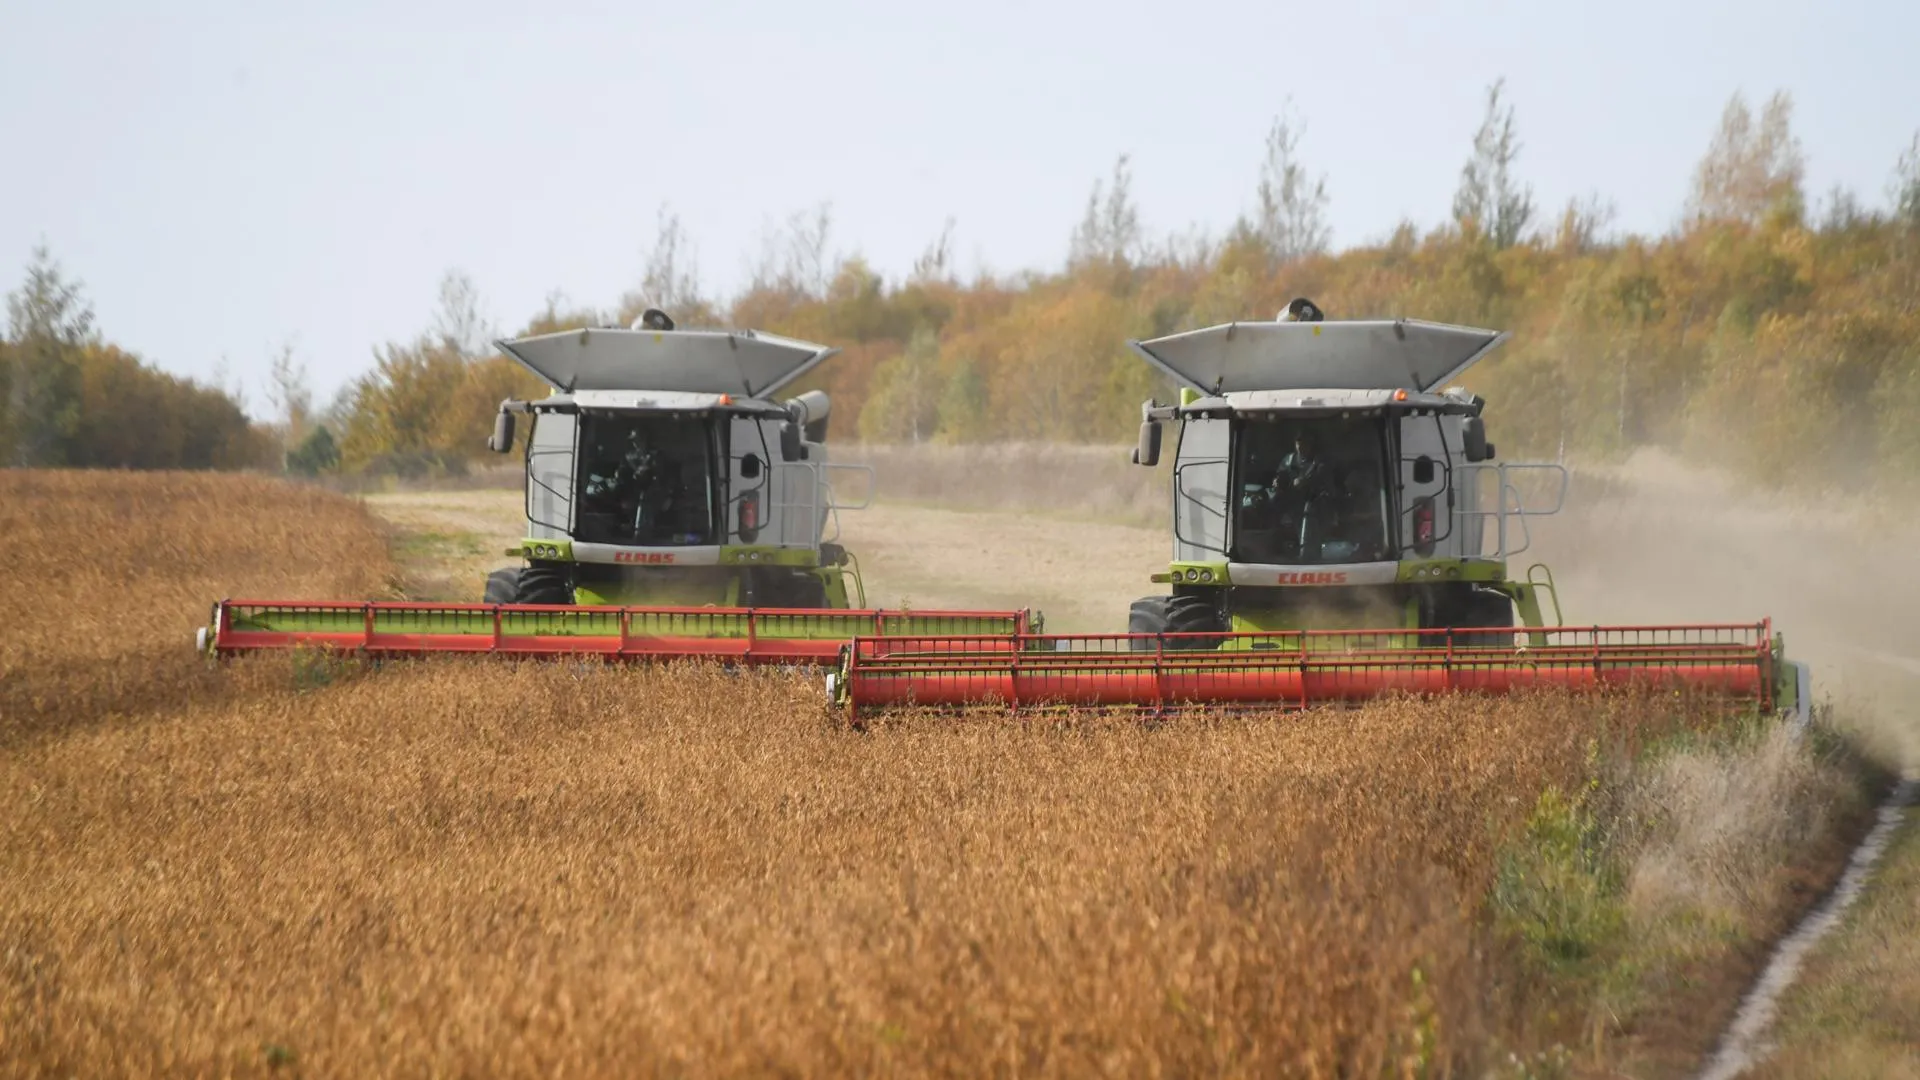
(1651, 540)
(1655, 540)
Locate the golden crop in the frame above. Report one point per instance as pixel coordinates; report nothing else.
(460, 868)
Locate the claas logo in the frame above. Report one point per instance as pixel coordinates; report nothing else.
(643, 556)
(1313, 577)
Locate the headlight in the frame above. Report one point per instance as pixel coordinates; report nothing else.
(1206, 575)
(1192, 574)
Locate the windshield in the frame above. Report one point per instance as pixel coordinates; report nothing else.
(646, 480)
(1310, 491)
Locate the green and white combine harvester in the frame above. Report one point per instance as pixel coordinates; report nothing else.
(1342, 529)
(674, 508)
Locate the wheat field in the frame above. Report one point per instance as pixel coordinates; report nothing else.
(295, 867)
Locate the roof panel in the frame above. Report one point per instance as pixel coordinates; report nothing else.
(748, 363)
(1358, 355)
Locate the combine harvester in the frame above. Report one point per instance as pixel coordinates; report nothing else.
(1342, 530)
(674, 509)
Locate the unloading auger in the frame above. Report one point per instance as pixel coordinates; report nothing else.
(674, 509)
(1342, 529)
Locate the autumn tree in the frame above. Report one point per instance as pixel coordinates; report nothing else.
(1491, 202)
(1290, 212)
(131, 415)
(314, 455)
(1905, 187)
(670, 277)
(904, 404)
(1752, 171)
(1584, 223)
(964, 411)
(935, 262)
(290, 395)
(1109, 233)
(50, 324)
(795, 260)
(400, 407)
(458, 325)
(423, 407)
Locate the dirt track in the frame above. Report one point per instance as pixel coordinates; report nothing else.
(1080, 574)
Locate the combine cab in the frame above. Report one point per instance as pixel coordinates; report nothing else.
(660, 471)
(1342, 529)
(1306, 503)
(674, 508)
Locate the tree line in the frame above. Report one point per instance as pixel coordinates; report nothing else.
(69, 398)
(1768, 330)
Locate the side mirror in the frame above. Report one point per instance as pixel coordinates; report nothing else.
(1148, 452)
(750, 466)
(1423, 470)
(502, 439)
(792, 446)
(1473, 438)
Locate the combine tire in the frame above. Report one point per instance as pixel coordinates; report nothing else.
(546, 583)
(1193, 614)
(1174, 615)
(503, 586)
(1148, 616)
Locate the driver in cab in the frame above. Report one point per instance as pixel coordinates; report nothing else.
(632, 481)
(1300, 476)
(1299, 500)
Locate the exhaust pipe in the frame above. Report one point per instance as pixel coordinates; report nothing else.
(810, 410)
(806, 423)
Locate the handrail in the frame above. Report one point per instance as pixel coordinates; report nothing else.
(1509, 495)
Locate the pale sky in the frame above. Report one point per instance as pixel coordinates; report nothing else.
(226, 177)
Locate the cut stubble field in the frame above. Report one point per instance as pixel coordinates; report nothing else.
(471, 869)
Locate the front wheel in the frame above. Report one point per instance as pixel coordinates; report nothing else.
(546, 583)
(1194, 613)
(1180, 614)
(503, 586)
(1147, 616)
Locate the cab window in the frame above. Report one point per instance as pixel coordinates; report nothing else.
(646, 480)
(1310, 491)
